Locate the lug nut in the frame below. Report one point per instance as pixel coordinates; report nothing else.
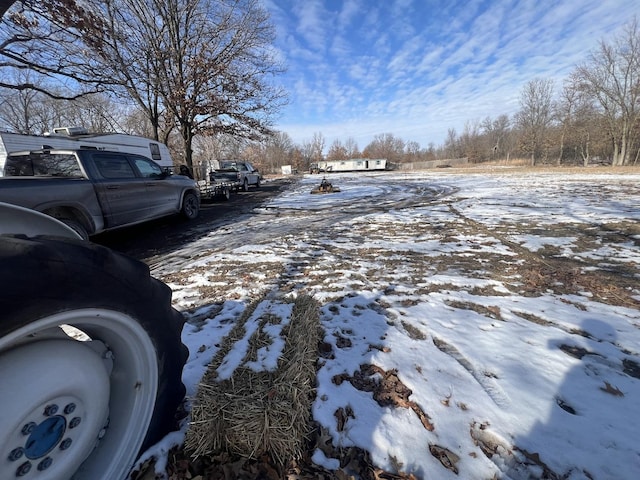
(28, 428)
(66, 443)
(44, 464)
(23, 469)
(75, 421)
(50, 410)
(16, 454)
(69, 408)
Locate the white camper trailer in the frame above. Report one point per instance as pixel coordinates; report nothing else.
(78, 137)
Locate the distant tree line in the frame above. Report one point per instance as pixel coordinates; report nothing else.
(205, 86)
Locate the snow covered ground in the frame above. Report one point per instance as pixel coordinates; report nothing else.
(477, 326)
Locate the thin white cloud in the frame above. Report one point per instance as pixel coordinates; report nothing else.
(312, 23)
(350, 10)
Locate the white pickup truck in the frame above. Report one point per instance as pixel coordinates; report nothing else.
(241, 173)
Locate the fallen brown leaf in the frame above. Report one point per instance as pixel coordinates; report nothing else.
(612, 390)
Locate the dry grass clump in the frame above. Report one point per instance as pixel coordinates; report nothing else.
(260, 412)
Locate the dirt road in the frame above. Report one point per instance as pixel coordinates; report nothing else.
(152, 240)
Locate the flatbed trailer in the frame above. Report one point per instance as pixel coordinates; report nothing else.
(210, 190)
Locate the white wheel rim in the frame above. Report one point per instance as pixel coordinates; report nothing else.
(109, 380)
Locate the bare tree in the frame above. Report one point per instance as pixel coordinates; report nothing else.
(351, 147)
(412, 151)
(130, 27)
(535, 116)
(337, 151)
(385, 145)
(18, 108)
(96, 112)
(611, 76)
(31, 111)
(430, 152)
(314, 148)
(451, 146)
(497, 135)
(278, 152)
(588, 136)
(136, 122)
(216, 68)
(44, 38)
(471, 141)
(564, 110)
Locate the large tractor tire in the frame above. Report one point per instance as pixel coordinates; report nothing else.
(90, 360)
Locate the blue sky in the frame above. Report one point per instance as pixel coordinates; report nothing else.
(416, 68)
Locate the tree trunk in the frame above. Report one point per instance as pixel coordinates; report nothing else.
(187, 140)
(561, 147)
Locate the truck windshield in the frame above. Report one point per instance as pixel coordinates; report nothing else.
(42, 164)
(228, 166)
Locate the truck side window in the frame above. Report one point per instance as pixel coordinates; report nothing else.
(146, 167)
(42, 164)
(113, 165)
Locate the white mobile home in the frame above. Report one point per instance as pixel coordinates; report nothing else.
(77, 137)
(353, 165)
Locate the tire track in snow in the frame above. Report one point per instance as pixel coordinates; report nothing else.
(489, 385)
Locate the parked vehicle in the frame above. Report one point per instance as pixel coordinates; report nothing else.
(75, 138)
(239, 173)
(93, 191)
(218, 186)
(91, 356)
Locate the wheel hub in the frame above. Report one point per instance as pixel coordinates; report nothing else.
(45, 437)
(55, 409)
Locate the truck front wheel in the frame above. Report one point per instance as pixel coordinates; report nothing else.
(90, 359)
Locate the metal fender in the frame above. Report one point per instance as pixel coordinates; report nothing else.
(20, 220)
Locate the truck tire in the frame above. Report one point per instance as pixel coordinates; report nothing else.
(245, 185)
(76, 226)
(90, 359)
(190, 206)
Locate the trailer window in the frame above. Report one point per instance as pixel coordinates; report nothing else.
(42, 164)
(154, 148)
(113, 166)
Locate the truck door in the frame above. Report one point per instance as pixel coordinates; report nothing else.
(121, 192)
(249, 173)
(163, 195)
